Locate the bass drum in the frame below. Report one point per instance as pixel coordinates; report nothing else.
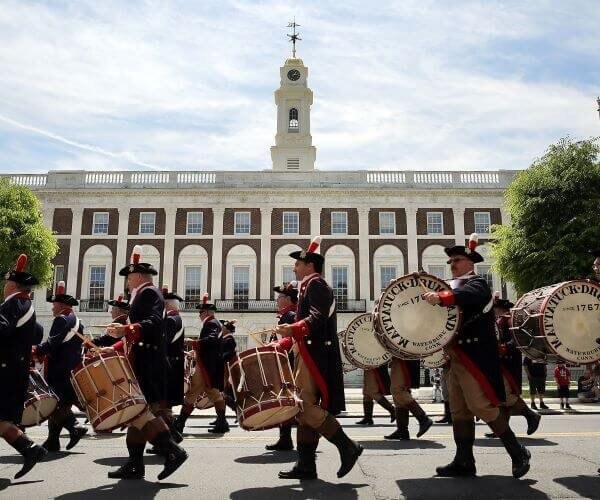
(360, 345)
(435, 360)
(409, 326)
(347, 367)
(560, 321)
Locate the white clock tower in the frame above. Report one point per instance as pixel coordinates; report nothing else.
(293, 150)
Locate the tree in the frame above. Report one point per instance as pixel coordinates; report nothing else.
(22, 230)
(554, 208)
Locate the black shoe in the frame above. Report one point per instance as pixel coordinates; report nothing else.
(490, 435)
(128, 471)
(283, 444)
(562, 406)
(213, 423)
(179, 424)
(298, 472)
(31, 456)
(543, 406)
(365, 421)
(221, 427)
(568, 406)
(175, 434)
(424, 425)
(457, 469)
(533, 406)
(51, 445)
(75, 435)
(174, 459)
(444, 420)
(520, 467)
(401, 434)
(155, 450)
(533, 422)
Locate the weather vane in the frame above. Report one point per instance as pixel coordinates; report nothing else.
(294, 37)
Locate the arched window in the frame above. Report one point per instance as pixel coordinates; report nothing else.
(293, 124)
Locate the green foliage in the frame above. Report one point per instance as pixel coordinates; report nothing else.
(22, 230)
(554, 208)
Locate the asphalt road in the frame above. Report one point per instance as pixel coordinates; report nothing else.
(565, 458)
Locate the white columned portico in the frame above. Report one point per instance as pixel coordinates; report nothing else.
(169, 256)
(265, 252)
(217, 254)
(459, 225)
(73, 274)
(315, 221)
(122, 259)
(363, 253)
(411, 239)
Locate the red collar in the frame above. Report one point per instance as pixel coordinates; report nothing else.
(287, 309)
(66, 311)
(121, 318)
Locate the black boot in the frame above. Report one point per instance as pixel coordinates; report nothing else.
(180, 420)
(349, 450)
(134, 467)
(174, 454)
(76, 432)
(533, 418)
(447, 418)
(305, 467)
(52, 443)
(401, 431)
(424, 421)
(221, 427)
(285, 442)
(518, 453)
(367, 413)
(386, 405)
(32, 453)
(463, 464)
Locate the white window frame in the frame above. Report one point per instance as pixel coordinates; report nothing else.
(392, 229)
(489, 222)
(244, 256)
(441, 214)
(346, 268)
(89, 282)
(488, 267)
(146, 223)
(235, 223)
(233, 270)
(187, 223)
(197, 298)
(293, 276)
(58, 276)
(344, 216)
(442, 266)
(383, 285)
(94, 222)
(290, 213)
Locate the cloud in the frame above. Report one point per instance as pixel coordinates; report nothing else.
(180, 85)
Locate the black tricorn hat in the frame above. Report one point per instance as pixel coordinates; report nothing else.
(62, 297)
(135, 266)
(18, 274)
(310, 255)
(205, 305)
(467, 251)
(290, 290)
(229, 324)
(119, 302)
(503, 304)
(170, 295)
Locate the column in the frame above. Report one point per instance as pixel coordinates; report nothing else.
(217, 254)
(73, 274)
(265, 253)
(122, 258)
(363, 252)
(315, 222)
(459, 225)
(169, 256)
(411, 238)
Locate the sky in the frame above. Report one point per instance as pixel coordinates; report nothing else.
(188, 85)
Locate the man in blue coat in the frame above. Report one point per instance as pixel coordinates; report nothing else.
(18, 332)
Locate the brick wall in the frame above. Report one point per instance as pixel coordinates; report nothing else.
(277, 220)
(229, 220)
(353, 245)
(374, 220)
(495, 217)
(62, 221)
(134, 220)
(179, 245)
(373, 246)
(447, 217)
(181, 220)
(352, 220)
(87, 222)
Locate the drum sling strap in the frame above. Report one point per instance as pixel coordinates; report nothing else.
(26, 317)
(72, 332)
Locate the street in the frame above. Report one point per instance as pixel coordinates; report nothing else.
(565, 459)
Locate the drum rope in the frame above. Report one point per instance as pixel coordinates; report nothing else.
(260, 366)
(242, 384)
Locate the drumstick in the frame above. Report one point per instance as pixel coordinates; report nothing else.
(86, 340)
(417, 276)
(256, 339)
(101, 326)
(260, 332)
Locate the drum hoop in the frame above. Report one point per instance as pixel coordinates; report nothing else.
(351, 358)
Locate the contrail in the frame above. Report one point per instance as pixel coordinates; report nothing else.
(125, 155)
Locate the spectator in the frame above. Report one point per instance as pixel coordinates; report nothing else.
(536, 373)
(585, 388)
(437, 380)
(562, 375)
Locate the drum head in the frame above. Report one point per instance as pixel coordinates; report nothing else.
(361, 346)
(435, 360)
(38, 411)
(347, 367)
(269, 417)
(410, 324)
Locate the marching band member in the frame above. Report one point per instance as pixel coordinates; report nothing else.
(376, 386)
(208, 377)
(318, 370)
(143, 340)
(63, 351)
(229, 355)
(512, 371)
(447, 417)
(476, 385)
(287, 299)
(19, 331)
(119, 310)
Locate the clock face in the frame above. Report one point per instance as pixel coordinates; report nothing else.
(293, 74)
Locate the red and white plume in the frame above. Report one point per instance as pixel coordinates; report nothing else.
(120, 298)
(314, 244)
(60, 288)
(205, 298)
(21, 263)
(473, 241)
(136, 254)
(165, 289)
(292, 285)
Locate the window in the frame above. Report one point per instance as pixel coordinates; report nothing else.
(438, 271)
(486, 272)
(387, 223)
(193, 283)
(96, 287)
(435, 223)
(293, 123)
(100, 223)
(195, 222)
(388, 273)
(147, 222)
(291, 222)
(242, 223)
(59, 275)
(241, 286)
(287, 274)
(339, 279)
(339, 223)
(482, 222)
